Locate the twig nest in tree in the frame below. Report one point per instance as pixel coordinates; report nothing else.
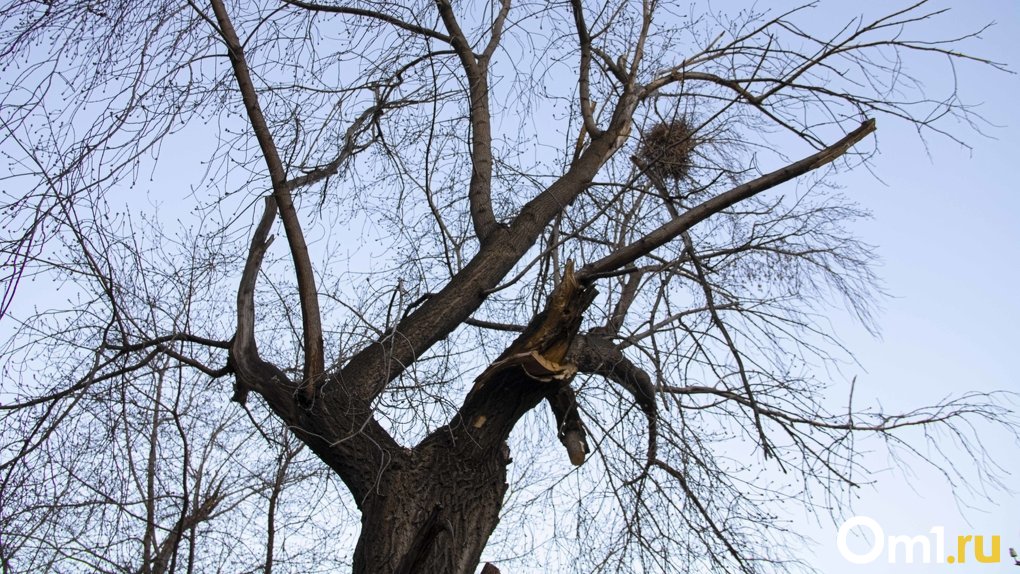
(667, 148)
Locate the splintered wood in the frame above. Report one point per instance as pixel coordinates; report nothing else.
(540, 351)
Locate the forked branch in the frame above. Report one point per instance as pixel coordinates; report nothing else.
(310, 319)
(476, 70)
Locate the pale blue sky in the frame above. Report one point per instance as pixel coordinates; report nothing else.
(946, 228)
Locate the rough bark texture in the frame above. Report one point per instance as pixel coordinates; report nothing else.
(437, 515)
(432, 508)
(435, 510)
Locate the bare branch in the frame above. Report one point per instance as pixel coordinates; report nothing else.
(691, 217)
(311, 321)
(476, 68)
(373, 14)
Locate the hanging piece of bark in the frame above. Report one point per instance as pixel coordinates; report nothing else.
(540, 351)
(539, 355)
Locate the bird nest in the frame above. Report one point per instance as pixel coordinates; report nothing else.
(667, 148)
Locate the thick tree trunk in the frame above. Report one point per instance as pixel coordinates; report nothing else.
(434, 517)
(434, 510)
(431, 508)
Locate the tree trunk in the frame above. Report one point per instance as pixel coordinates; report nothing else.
(436, 516)
(435, 510)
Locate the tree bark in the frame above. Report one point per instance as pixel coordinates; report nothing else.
(434, 510)
(436, 516)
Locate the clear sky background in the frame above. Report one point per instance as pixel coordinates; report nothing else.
(947, 228)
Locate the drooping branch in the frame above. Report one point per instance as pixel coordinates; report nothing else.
(163, 339)
(595, 354)
(98, 373)
(569, 427)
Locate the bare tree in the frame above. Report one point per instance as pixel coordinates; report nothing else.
(617, 209)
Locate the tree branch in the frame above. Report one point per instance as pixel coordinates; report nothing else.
(710, 304)
(595, 354)
(673, 228)
(713, 311)
(477, 69)
(569, 427)
(311, 324)
(315, 6)
(535, 366)
(376, 365)
(249, 368)
(584, 71)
